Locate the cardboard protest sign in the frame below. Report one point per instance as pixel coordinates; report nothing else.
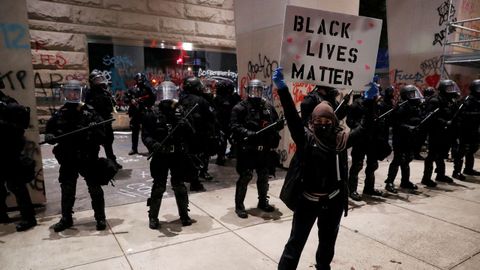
(330, 49)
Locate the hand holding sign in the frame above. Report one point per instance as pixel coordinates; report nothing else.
(329, 49)
(278, 78)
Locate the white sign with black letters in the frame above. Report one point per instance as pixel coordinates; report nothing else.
(330, 49)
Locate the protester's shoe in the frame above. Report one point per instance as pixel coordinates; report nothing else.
(153, 223)
(471, 172)
(265, 206)
(390, 187)
(220, 161)
(101, 224)
(372, 192)
(63, 224)
(418, 157)
(197, 187)
(444, 179)
(5, 219)
(408, 185)
(24, 225)
(429, 183)
(133, 152)
(355, 196)
(206, 176)
(186, 221)
(241, 213)
(459, 176)
(118, 165)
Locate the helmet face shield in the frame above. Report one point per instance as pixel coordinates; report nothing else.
(414, 94)
(100, 81)
(167, 91)
(255, 89)
(72, 92)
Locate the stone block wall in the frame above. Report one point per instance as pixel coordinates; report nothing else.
(59, 30)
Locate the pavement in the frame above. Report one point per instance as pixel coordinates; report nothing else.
(434, 228)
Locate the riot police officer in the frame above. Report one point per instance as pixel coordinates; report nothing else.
(405, 120)
(77, 153)
(248, 117)
(139, 98)
(318, 94)
(225, 99)
(165, 132)
(100, 98)
(440, 131)
(14, 119)
(468, 125)
(203, 121)
(366, 110)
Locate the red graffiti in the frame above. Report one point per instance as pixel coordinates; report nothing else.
(39, 45)
(432, 80)
(49, 59)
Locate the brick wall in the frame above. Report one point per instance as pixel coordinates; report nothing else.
(59, 30)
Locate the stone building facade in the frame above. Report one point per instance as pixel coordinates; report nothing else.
(62, 29)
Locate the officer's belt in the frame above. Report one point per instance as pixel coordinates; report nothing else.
(169, 148)
(317, 198)
(255, 148)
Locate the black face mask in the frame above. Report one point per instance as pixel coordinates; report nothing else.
(323, 130)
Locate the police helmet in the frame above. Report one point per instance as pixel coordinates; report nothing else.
(193, 85)
(387, 93)
(140, 78)
(448, 87)
(96, 78)
(429, 91)
(475, 88)
(224, 87)
(72, 91)
(167, 90)
(255, 89)
(410, 92)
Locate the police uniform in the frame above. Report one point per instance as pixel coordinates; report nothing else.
(14, 119)
(77, 155)
(103, 103)
(468, 133)
(248, 117)
(139, 98)
(170, 156)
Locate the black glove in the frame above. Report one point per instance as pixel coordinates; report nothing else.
(250, 135)
(156, 147)
(49, 138)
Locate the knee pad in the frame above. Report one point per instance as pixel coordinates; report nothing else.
(157, 190)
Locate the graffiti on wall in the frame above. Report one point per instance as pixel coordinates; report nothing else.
(443, 19)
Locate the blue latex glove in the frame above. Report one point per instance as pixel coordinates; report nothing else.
(278, 78)
(371, 92)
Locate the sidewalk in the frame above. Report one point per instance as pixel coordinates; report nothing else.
(431, 229)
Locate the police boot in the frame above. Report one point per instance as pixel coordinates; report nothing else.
(4, 219)
(28, 219)
(471, 172)
(240, 193)
(443, 178)
(262, 189)
(181, 198)
(428, 182)
(459, 176)
(197, 186)
(264, 205)
(390, 187)
(98, 205)
(63, 224)
(153, 222)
